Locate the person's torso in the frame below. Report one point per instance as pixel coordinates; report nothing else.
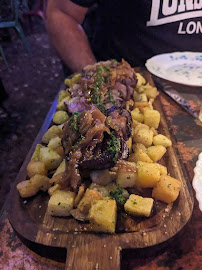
(138, 29)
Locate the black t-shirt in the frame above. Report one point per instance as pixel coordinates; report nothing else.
(138, 29)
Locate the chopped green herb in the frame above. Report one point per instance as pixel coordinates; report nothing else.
(74, 121)
(113, 146)
(134, 202)
(117, 195)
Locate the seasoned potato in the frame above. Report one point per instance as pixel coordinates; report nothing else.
(61, 168)
(140, 80)
(60, 117)
(73, 80)
(35, 155)
(50, 158)
(63, 94)
(150, 91)
(152, 118)
(143, 136)
(89, 197)
(138, 146)
(102, 216)
(167, 189)
(52, 132)
(161, 140)
(61, 203)
(54, 143)
(138, 206)
(137, 115)
(140, 155)
(163, 169)
(36, 167)
(103, 190)
(141, 97)
(140, 126)
(30, 187)
(148, 174)
(156, 152)
(126, 178)
(61, 105)
(141, 105)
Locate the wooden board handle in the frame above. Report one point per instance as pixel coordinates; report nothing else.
(91, 252)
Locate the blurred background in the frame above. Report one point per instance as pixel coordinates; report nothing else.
(31, 74)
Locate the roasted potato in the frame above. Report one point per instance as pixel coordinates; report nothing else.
(103, 215)
(30, 187)
(36, 167)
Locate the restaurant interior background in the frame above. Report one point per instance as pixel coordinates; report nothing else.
(31, 82)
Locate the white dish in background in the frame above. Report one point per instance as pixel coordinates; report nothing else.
(179, 67)
(197, 181)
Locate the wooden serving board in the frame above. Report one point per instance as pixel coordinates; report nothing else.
(87, 250)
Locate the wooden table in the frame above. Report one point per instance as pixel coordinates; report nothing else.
(184, 251)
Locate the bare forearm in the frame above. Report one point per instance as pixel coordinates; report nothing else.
(69, 40)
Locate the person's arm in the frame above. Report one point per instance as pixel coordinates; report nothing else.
(64, 20)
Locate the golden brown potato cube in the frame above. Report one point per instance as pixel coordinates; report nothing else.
(126, 177)
(163, 169)
(137, 146)
(60, 117)
(140, 80)
(148, 174)
(152, 118)
(63, 94)
(54, 143)
(61, 203)
(140, 126)
(156, 152)
(141, 97)
(143, 136)
(30, 187)
(137, 115)
(161, 140)
(138, 206)
(52, 132)
(36, 167)
(140, 155)
(141, 105)
(102, 216)
(36, 153)
(167, 189)
(50, 158)
(61, 168)
(150, 91)
(89, 197)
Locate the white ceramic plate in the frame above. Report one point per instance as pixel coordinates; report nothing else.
(179, 67)
(197, 181)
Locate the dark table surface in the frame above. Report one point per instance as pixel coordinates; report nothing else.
(184, 251)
